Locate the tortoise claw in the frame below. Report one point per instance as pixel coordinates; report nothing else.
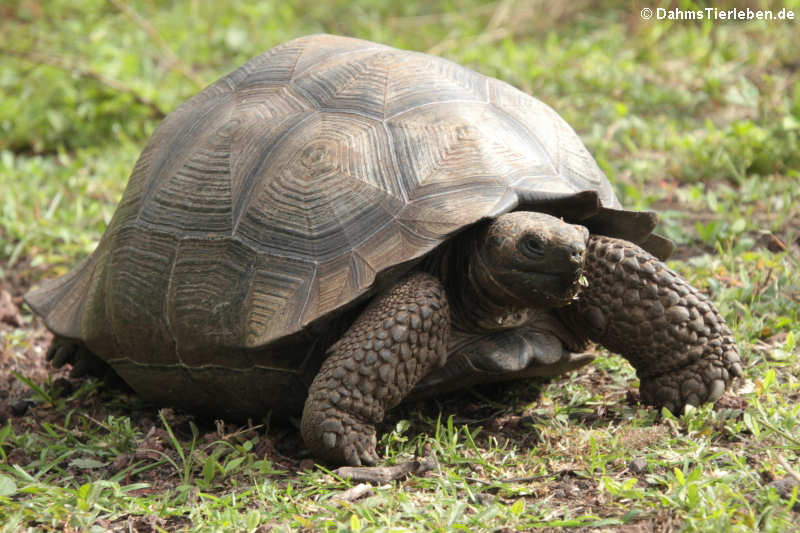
(63, 354)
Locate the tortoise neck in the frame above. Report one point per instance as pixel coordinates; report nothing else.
(478, 302)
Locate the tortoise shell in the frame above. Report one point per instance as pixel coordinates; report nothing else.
(264, 210)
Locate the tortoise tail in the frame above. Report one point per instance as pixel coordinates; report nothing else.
(60, 301)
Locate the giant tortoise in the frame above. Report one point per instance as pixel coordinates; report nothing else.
(338, 225)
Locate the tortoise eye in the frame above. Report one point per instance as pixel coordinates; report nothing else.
(531, 247)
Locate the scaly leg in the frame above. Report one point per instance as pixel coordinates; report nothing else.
(671, 333)
(398, 339)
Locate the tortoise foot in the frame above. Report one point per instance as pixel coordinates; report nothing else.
(398, 339)
(345, 438)
(83, 361)
(703, 381)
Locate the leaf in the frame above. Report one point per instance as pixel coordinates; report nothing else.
(743, 93)
(679, 476)
(209, 470)
(303, 521)
(790, 342)
(86, 463)
(7, 486)
(252, 519)
(518, 507)
(751, 424)
(355, 523)
(234, 464)
(789, 122)
(738, 225)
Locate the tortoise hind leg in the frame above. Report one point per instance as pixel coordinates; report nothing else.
(398, 339)
(84, 363)
(671, 333)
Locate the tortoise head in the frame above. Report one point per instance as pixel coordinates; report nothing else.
(534, 258)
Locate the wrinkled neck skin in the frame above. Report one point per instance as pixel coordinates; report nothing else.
(478, 301)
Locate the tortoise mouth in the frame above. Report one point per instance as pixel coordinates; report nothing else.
(557, 288)
(544, 289)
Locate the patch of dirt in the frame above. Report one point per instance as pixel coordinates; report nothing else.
(147, 524)
(28, 333)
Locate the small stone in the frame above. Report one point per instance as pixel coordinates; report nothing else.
(20, 407)
(484, 498)
(9, 312)
(638, 465)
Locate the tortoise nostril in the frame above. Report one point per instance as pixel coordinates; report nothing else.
(577, 254)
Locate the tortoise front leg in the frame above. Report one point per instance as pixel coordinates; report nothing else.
(398, 339)
(671, 333)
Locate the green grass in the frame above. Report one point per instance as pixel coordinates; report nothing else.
(698, 120)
